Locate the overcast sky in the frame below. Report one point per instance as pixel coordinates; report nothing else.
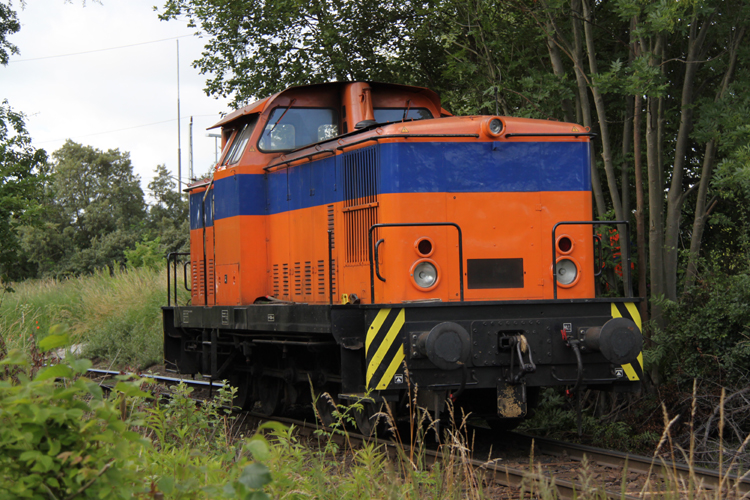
(124, 98)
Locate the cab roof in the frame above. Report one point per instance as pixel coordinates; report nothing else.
(260, 106)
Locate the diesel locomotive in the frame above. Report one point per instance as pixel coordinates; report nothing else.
(356, 238)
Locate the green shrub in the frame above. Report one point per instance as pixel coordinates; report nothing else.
(146, 254)
(63, 440)
(707, 332)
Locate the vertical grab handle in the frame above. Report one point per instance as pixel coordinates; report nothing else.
(598, 265)
(184, 276)
(377, 263)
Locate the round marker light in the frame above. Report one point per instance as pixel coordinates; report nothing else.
(496, 126)
(564, 244)
(566, 271)
(425, 274)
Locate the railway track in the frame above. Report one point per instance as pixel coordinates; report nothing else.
(565, 465)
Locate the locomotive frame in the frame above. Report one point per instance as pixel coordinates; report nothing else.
(465, 320)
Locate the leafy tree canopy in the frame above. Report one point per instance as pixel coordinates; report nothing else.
(259, 48)
(9, 25)
(21, 169)
(95, 210)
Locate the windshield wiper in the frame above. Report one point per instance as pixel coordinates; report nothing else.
(406, 111)
(282, 116)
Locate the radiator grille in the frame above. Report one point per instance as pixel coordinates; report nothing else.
(360, 170)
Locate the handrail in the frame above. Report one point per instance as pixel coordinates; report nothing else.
(629, 291)
(172, 258)
(368, 139)
(330, 266)
(404, 136)
(303, 157)
(566, 134)
(417, 224)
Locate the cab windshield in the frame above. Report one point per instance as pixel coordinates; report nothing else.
(392, 115)
(293, 128)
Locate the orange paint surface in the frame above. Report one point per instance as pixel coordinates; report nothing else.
(286, 255)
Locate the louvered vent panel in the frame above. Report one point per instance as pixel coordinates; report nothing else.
(333, 277)
(307, 283)
(211, 281)
(285, 275)
(276, 281)
(322, 277)
(330, 226)
(360, 200)
(297, 279)
(198, 282)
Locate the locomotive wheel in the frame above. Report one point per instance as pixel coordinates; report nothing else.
(325, 404)
(504, 424)
(268, 390)
(371, 421)
(243, 397)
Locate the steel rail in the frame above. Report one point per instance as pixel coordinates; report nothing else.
(502, 474)
(638, 463)
(161, 378)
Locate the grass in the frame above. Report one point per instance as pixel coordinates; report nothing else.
(195, 454)
(116, 317)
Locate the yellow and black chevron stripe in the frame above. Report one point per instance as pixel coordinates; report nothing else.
(384, 349)
(628, 310)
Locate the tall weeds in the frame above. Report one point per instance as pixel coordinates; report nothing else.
(116, 317)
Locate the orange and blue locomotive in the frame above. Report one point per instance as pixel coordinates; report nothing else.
(359, 239)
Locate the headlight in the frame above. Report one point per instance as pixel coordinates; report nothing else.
(496, 126)
(492, 126)
(425, 274)
(566, 271)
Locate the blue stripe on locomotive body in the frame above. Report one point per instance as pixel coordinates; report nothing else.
(484, 167)
(196, 210)
(423, 167)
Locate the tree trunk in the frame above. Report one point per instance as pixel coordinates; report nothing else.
(557, 67)
(640, 201)
(627, 134)
(596, 185)
(655, 195)
(640, 219)
(609, 167)
(701, 213)
(676, 195)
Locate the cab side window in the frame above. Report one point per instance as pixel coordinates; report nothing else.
(238, 145)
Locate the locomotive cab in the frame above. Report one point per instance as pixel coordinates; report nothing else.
(358, 237)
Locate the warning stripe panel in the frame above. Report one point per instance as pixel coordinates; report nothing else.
(628, 310)
(384, 350)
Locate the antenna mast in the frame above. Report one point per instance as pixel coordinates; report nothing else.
(179, 145)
